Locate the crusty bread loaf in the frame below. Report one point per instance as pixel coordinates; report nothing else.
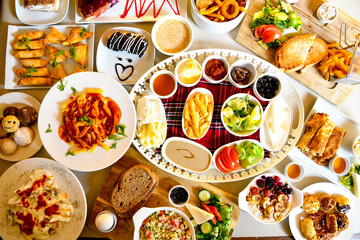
(132, 190)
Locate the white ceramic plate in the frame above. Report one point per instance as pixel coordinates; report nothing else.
(114, 14)
(51, 113)
(341, 121)
(18, 99)
(39, 17)
(329, 188)
(17, 175)
(12, 63)
(125, 67)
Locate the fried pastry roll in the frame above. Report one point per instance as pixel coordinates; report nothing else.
(35, 81)
(77, 53)
(76, 35)
(31, 35)
(36, 44)
(30, 53)
(332, 146)
(55, 37)
(58, 72)
(40, 72)
(35, 63)
(318, 143)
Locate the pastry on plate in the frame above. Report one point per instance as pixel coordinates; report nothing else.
(327, 202)
(77, 35)
(307, 228)
(35, 81)
(129, 42)
(55, 37)
(31, 35)
(32, 72)
(29, 53)
(77, 53)
(33, 63)
(292, 54)
(311, 204)
(56, 56)
(42, 5)
(29, 45)
(58, 72)
(318, 143)
(77, 69)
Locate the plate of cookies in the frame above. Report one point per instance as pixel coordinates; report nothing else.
(19, 135)
(37, 57)
(328, 212)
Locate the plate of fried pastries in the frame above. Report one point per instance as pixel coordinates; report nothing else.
(328, 212)
(37, 57)
(327, 133)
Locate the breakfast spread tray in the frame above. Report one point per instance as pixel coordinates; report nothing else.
(306, 10)
(174, 113)
(159, 197)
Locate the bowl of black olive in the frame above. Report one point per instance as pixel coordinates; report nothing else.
(179, 196)
(242, 74)
(267, 87)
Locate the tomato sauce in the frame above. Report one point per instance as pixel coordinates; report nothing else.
(28, 223)
(52, 210)
(215, 68)
(41, 202)
(36, 185)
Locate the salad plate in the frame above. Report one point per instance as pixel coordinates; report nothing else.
(51, 116)
(39, 17)
(17, 174)
(174, 109)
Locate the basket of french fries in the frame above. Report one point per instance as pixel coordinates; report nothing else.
(218, 16)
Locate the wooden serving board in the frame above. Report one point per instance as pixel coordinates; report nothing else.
(159, 198)
(312, 78)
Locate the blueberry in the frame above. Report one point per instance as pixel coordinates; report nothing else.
(269, 182)
(263, 177)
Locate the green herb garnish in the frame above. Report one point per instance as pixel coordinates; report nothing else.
(26, 41)
(72, 52)
(90, 122)
(120, 129)
(74, 90)
(113, 145)
(83, 30)
(29, 71)
(69, 153)
(55, 63)
(62, 85)
(48, 130)
(81, 119)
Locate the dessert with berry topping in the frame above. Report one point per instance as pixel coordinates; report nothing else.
(91, 9)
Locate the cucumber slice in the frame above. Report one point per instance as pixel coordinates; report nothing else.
(215, 232)
(193, 222)
(206, 228)
(204, 195)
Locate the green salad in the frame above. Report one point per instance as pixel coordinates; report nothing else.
(249, 153)
(282, 16)
(347, 180)
(218, 227)
(241, 115)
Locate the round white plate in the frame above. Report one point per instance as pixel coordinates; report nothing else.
(51, 113)
(297, 214)
(17, 175)
(128, 66)
(39, 17)
(18, 99)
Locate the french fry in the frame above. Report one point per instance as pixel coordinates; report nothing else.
(186, 112)
(201, 107)
(333, 45)
(337, 64)
(217, 16)
(210, 10)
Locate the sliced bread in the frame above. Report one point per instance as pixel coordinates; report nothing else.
(133, 188)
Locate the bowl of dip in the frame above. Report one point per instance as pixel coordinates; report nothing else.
(295, 172)
(148, 219)
(215, 69)
(172, 34)
(242, 73)
(327, 12)
(163, 84)
(188, 72)
(339, 165)
(186, 154)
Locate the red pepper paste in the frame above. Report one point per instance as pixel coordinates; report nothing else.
(215, 68)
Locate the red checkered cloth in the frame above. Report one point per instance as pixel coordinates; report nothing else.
(217, 135)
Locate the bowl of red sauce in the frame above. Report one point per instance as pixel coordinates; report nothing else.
(163, 84)
(215, 69)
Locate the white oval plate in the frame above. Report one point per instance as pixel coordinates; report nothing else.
(329, 188)
(17, 175)
(39, 17)
(130, 67)
(51, 113)
(18, 99)
(191, 94)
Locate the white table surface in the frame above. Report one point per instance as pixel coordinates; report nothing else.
(92, 182)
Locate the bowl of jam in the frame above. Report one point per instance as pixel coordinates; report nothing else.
(215, 69)
(242, 74)
(179, 196)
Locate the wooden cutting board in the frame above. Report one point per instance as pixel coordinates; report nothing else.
(125, 228)
(306, 10)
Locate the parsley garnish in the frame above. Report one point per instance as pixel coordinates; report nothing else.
(69, 153)
(72, 52)
(120, 127)
(83, 30)
(74, 90)
(26, 41)
(81, 119)
(113, 145)
(86, 118)
(90, 122)
(48, 130)
(62, 85)
(29, 71)
(55, 63)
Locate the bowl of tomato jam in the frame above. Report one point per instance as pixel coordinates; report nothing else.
(215, 69)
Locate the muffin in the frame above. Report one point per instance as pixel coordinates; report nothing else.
(27, 116)
(311, 204)
(24, 136)
(7, 146)
(342, 221)
(10, 111)
(327, 202)
(10, 124)
(342, 204)
(3, 134)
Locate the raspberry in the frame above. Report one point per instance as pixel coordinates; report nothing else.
(254, 190)
(268, 193)
(260, 183)
(276, 179)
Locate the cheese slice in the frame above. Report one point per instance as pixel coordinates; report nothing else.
(356, 181)
(200, 216)
(149, 110)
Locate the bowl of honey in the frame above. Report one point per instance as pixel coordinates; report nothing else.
(339, 165)
(295, 172)
(163, 84)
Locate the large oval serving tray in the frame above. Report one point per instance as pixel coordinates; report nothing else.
(289, 95)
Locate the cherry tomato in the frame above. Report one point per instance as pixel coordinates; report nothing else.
(259, 30)
(270, 34)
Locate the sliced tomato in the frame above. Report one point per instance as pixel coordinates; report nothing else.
(259, 30)
(206, 208)
(215, 212)
(220, 165)
(227, 162)
(230, 157)
(233, 154)
(270, 34)
(175, 222)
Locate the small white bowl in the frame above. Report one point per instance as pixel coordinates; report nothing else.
(277, 93)
(301, 175)
(215, 27)
(145, 212)
(159, 73)
(180, 204)
(239, 168)
(357, 139)
(210, 79)
(162, 20)
(251, 99)
(177, 75)
(106, 221)
(245, 64)
(192, 93)
(321, 18)
(347, 167)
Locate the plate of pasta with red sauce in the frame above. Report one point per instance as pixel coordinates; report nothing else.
(87, 121)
